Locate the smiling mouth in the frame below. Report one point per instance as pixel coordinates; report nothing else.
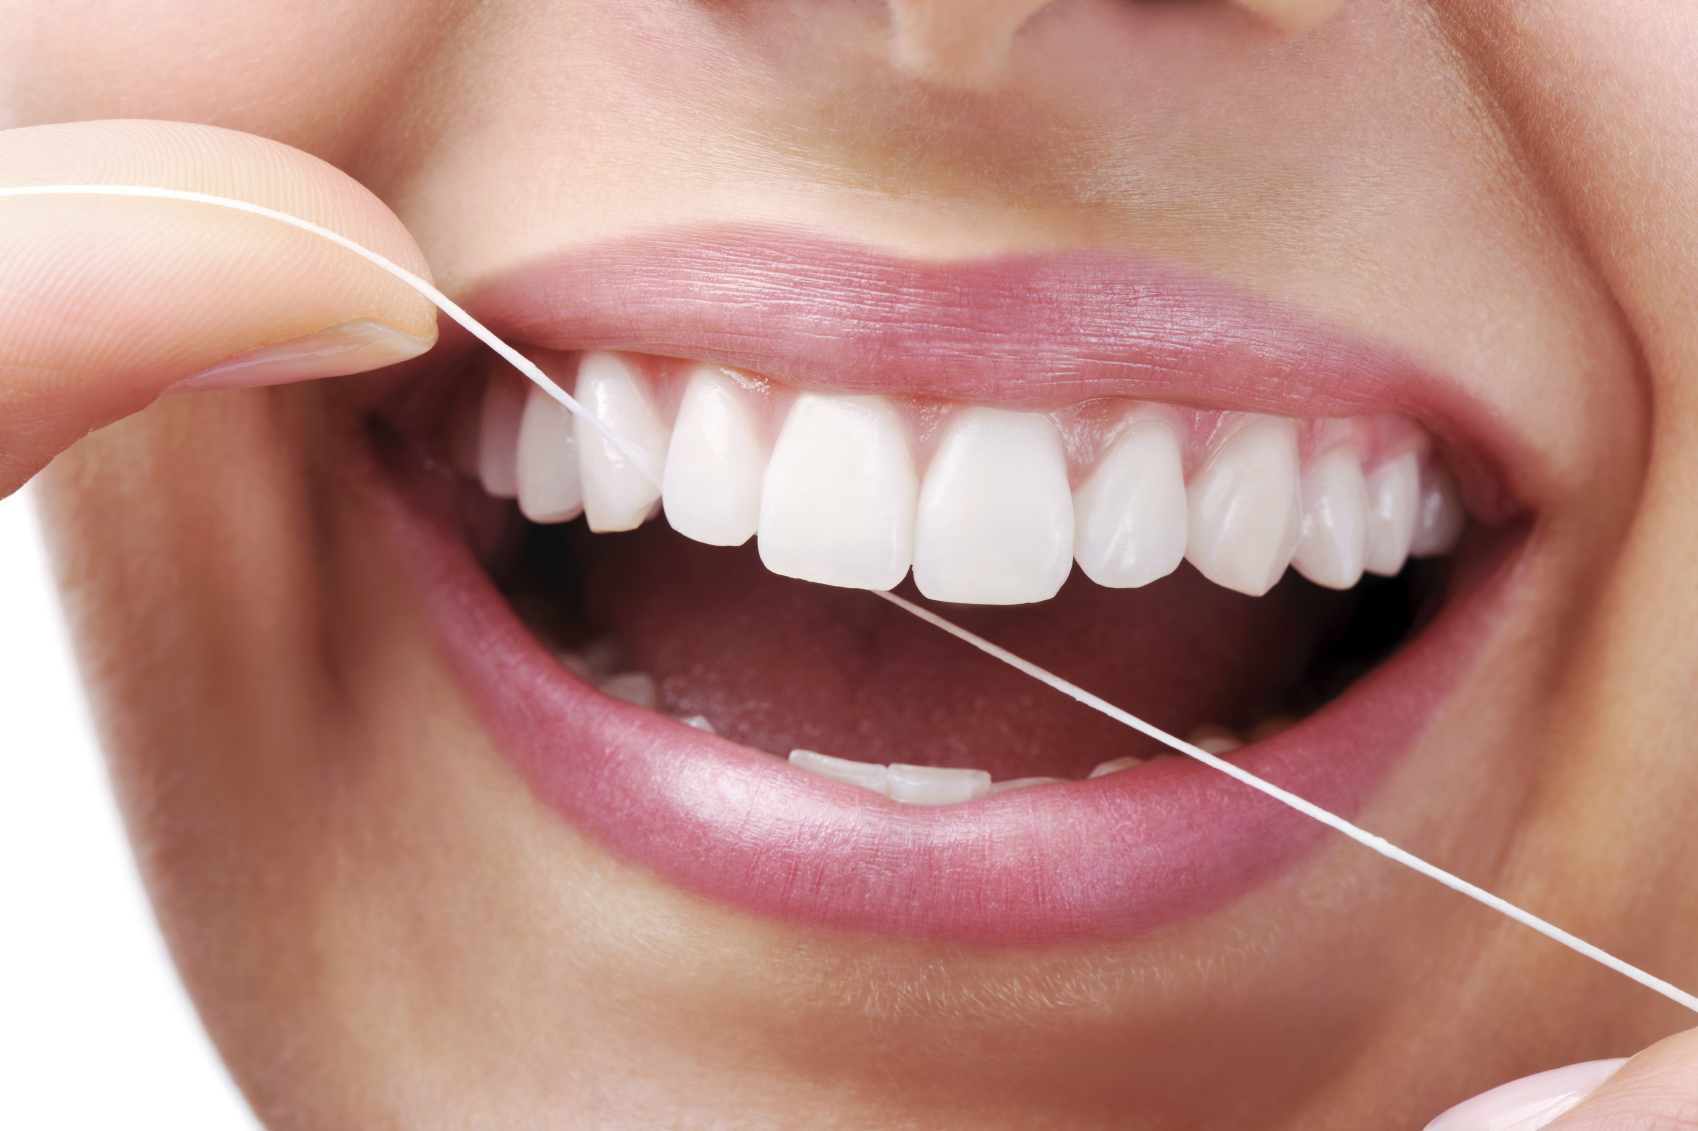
(676, 652)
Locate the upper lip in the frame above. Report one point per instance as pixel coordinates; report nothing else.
(1035, 330)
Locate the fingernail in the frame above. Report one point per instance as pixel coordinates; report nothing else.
(353, 347)
(1530, 1102)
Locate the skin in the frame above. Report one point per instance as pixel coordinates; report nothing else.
(378, 923)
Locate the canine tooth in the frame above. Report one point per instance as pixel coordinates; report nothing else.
(1393, 495)
(1021, 783)
(995, 520)
(547, 461)
(712, 482)
(1130, 516)
(1439, 517)
(1332, 544)
(700, 722)
(1114, 766)
(617, 493)
(632, 687)
(1244, 507)
(839, 494)
(867, 775)
(936, 785)
(1215, 739)
(498, 437)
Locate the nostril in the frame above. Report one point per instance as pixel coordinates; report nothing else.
(957, 42)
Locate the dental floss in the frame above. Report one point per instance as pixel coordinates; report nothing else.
(1309, 809)
(519, 361)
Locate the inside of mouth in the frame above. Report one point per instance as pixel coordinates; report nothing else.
(714, 638)
(778, 664)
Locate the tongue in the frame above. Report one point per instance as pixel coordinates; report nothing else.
(778, 664)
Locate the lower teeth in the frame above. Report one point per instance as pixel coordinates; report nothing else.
(909, 784)
(704, 639)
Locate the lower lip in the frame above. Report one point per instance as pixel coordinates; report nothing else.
(1106, 859)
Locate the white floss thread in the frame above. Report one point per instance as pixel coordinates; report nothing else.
(1309, 809)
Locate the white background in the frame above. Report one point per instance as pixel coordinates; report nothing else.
(95, 1031)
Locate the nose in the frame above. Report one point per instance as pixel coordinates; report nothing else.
(965, 43)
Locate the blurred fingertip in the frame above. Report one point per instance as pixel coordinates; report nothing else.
(353, 347)
(1529, 1103)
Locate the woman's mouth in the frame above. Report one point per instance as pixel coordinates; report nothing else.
(677, 653)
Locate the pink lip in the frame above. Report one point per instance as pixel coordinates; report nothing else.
(1106, 859)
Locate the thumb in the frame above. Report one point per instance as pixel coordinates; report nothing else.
(1658, 1088)
(107, 302)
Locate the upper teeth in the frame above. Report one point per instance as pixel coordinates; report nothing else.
(714, 465)
(1393, 489)
(835, 493)
(1246, 506)
(548, 482)
(995, 524)
(1131, 513)
(618, 494)
(839, 497)
(1332, 545)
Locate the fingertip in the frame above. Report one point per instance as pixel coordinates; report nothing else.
(1529, 1103)
(353, 347)
(110, 300)
(1657, 1088)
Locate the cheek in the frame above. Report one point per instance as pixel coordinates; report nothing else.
(283, 69)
